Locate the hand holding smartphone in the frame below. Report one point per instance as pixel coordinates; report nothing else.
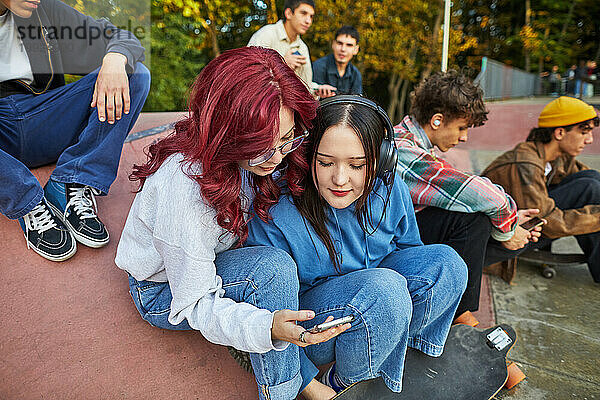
(331, 324)
(532, 224)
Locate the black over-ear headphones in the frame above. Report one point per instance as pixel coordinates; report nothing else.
(388, 155)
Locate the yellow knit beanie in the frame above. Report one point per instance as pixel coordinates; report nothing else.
(565, 111)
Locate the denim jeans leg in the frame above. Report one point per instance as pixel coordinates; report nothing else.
(267, 278)
(153, 302)
(263, 276)
(60, 126)
(93, 159)
(375, 344)
(20, 191)
(436, 278)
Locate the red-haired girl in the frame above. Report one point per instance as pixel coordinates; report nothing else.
(181, 242)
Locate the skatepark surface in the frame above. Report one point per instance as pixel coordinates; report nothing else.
(71, 331)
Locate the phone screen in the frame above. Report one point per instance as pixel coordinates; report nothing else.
(532, 223)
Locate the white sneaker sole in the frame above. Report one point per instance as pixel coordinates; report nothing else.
(95, 244)
(53, 257)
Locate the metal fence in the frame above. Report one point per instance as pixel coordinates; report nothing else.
(500, 81)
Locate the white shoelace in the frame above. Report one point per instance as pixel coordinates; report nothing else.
(83, 201)
(39, 219)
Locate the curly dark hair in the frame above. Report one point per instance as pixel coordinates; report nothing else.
(449, 93)
(543, 135)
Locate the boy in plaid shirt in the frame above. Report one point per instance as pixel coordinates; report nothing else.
(454, 207)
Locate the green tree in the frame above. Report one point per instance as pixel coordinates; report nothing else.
(513, 31)
(178, 53)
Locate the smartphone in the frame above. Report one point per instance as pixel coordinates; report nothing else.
(532, 223)
(331, 324)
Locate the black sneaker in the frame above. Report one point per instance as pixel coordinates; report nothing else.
(46, 235)
(79, 213)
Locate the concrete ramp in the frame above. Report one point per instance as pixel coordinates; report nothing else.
(70, 330)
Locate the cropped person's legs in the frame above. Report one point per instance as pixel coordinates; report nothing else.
(21, 195)
(576, 191)
(92, 158)
(88, 165)
(263, 276)
(271, 283)
(375, 344)
(467, 234)
(60, 126)
(436, 278)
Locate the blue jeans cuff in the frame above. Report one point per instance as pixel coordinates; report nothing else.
(82, 180)
(30, 206)
(287, 390)
(393, 385)
(424, 346)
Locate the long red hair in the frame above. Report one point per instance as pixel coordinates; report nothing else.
(234, 115)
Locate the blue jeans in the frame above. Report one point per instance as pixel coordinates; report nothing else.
(263, 276)
(60, 126)
(408, 300)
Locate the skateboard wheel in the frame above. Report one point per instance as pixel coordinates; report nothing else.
(515, 376)
(548, 272)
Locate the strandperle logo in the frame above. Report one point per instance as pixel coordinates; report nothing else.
(81, 32)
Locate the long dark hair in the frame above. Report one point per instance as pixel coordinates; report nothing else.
(369, 127)
(234, 115)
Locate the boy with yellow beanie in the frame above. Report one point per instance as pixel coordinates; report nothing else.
(543, 173)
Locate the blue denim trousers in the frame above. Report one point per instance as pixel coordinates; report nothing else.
(263, 276)
(60, 126)
(408, 300)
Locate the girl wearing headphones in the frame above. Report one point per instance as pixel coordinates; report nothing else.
(355, 240)
(181, 242)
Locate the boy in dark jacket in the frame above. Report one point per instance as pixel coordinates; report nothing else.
(80, 126)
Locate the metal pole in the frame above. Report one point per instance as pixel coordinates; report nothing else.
(446, 35)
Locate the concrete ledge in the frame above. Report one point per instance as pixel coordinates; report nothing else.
(70, 330)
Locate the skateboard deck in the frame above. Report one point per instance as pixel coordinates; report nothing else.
(549, 260)
(472, 366)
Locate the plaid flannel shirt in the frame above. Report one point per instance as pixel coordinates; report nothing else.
(434, 182)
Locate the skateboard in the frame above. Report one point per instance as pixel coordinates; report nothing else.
(473, 366)
(549, 261)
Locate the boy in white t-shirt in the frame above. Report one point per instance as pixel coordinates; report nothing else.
(80, 127)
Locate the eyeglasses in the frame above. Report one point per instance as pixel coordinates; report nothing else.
(588, 126)
(285, 148)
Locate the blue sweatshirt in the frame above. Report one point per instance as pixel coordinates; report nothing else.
(289, 231)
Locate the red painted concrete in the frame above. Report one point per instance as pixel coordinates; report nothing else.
(485, 315)
(509, 124)
(151, 120)
(70, 330)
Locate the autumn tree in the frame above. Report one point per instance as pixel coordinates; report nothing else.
(400, 41)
